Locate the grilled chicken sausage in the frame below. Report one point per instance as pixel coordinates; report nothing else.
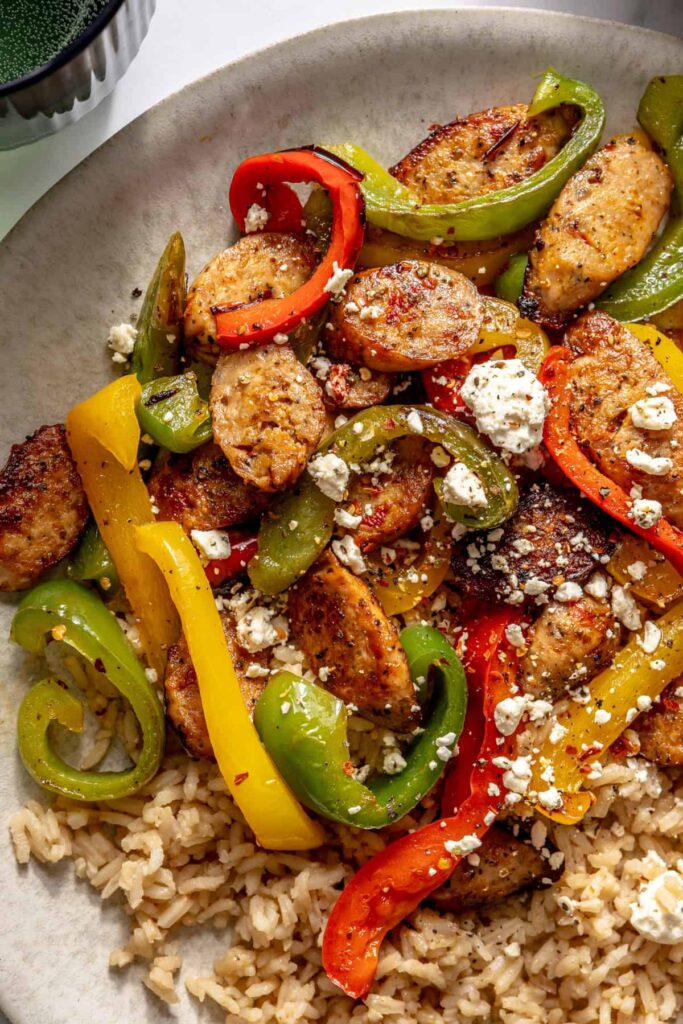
(612, 372)
(392, 504)
(339, 625)
(569, 644)
(347, 387)
(600, 225)
(484, 152)
(405, 316)
(554, 536)
(660, 730)
(259, 266)
(43, 508)
(268, 415)
(183, 701)
(201, 492)
(503, 865)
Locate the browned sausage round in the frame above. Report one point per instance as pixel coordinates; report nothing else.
(43, 508)
(268, 415)
(405, 316)
(347, 387)
(339, 626)
(259, 266)
(660, 730)
(201, 492)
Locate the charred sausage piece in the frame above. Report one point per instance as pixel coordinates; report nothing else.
(660, 730)
(392, 504)
(43, 508)
(183, 701)
(484, 152)
(260, 266)
(405, 316)
(339, 625)
(569, 644)
(348, 387)
(613, 371)
(201, 491)
(600, 225)
(503, 866)
(268, 415)
(554, 536)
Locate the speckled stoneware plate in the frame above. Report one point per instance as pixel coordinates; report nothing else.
(69, 268)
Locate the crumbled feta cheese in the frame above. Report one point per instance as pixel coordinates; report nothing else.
(647, 464)
(212, 543)
(557, 733)
(643, 703)
(152, 675)
(654, 413)
(461, 847)
(346, 519)
(550, 798)
(426, 523)
(646, 512)
(349, 554)
(371, 312)
(601, 716)
(121, 341)
(463, 487)
(535, 586)
(280, 338)
(597, 586)
(261, 627)
(651, 637)
(393, 762)
(508, 713)
(256, 218)
(637, 570)
(256, 671)
(338, 280)
(568, 592)
(625, 609)
(324, 673)
(440, 457)
(517, 774)
(330, 474)
(658, 912)
(285, 707)
(514, 635)
(414, 422)
(355, 810)
(509, 403)
(658, 665)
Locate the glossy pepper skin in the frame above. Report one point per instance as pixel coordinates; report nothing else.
(303, 728)
(396, 880)
(92, 561)
(610, 497)
(657, 281)
(271, 811)
(77, 617)
(284, 554)
(390, 205)
(159, 325)
(257, 323)
(510, 283)
(171, 411)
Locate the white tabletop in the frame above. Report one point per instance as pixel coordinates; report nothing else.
(182, 46)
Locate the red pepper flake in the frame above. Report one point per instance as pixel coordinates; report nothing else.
(242, 777)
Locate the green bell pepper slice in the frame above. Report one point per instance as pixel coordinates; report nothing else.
(158, 344)
(656, 282)
(390, 205)
(285, 553)
(510, 283)
(303, 728)
(172, 412)
(92, 561)
(76, 616)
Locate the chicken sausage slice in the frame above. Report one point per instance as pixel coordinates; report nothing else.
(340, 627)
(183, 701)
(486, 151)
(201, 491)
(348, 387)
(405, 316)
(268, 415)
(43, 508)
(600, 225)
(617, 388)
(660, 730)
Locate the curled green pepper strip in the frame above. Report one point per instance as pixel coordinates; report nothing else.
(159, 325)
(391, 205)
(77, 617)
(284, 553)
(657, 281)
(303, 728)
(510, 283)
(92, 561)
(171, 411)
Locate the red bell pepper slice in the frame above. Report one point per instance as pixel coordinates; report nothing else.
(258, 322)
(555, 375)
(392, 884)
(243, 548)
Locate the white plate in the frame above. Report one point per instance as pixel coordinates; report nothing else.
(67, 273)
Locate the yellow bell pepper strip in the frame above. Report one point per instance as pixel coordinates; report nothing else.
(103, 435)
(400, 589)
(623, 690)
(660, 585)
(277, 819)
(390, 205)
(77, 617)
(664, 349)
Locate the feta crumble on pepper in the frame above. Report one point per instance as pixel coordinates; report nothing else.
(330, 474)
(212, 543)
(509, 403)
(256, 218)
(463, 487)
